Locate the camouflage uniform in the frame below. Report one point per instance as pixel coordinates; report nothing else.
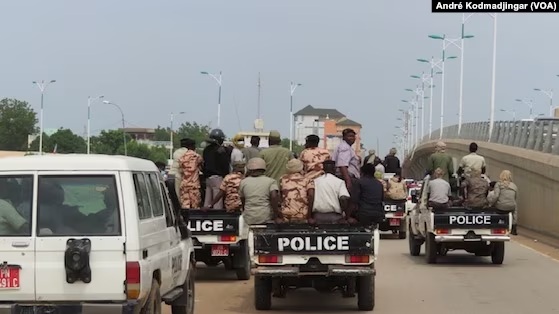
(190, 194)
(230, 185)
(312, 159)
(477, 188)
(294, 190)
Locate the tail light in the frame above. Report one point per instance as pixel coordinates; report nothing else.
(442, 231)
(227, 238)
(399, 214)
(357, 259)
(409, 198)
(133, 278)
(269, 259)
(499, 231)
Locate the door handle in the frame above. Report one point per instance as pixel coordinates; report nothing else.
(20, 244)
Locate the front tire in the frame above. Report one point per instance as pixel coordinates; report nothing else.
(153, 303)
(366, 293)
(262, 293)
(189, 290)
(430, 249)
(498, 253)
(415, 246)
(243, 273)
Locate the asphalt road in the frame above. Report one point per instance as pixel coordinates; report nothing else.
(527, 282)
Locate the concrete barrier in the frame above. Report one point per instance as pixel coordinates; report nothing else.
(535, 173)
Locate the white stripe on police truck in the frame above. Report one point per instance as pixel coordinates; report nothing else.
(206, 225)
(330, 243)
(470, 220)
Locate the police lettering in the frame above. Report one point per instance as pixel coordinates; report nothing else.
(330, 243)
(205, 225)
(470, 220)
(390, 208)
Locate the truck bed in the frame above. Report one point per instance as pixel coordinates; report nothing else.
(213, 222)
(464, 218)
(303, 239)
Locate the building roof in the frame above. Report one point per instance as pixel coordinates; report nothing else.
(320, 112)
(348, 122)
(75, 162)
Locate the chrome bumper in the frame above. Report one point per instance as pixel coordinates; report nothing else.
(291, 271)
(461, 238)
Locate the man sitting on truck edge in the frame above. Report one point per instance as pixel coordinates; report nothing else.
(313, 157)
(367, 197)
(472, 161)
(229, 189)
(190, 165)
(259, 194)
(297, 193)
(346, 159)
(331, 197)
(439, 190)
(475, 190)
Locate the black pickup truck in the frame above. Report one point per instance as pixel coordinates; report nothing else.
(326, 257)
(395, 218)
(219, 236)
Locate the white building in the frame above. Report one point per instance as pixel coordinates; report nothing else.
(310, 120)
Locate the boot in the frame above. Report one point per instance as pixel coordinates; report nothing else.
(513, 230)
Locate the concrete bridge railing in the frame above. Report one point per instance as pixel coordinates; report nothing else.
(539, 135)
(528, 149)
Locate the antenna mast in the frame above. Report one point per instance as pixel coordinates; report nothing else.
(259, 98)
(259, 123)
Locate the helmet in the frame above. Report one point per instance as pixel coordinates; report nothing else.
(217, 134)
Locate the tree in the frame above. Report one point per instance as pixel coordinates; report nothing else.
(135, 149)
(64, 140)
(108, 142)
(162, 134)
(17, 121)
(297, 149)
(195, 131)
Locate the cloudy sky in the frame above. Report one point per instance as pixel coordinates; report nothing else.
(355, 56)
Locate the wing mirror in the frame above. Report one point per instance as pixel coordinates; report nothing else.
(414, 198)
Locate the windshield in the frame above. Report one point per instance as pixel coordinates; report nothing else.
(16, 195)
(77, 205)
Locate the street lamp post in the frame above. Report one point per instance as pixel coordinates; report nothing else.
(123, 127)
(463, 36)
(548, 93)
(446, 42)
(530, 105)
(90, 100)
(42, 87)
(293, 87)
(434, 64)
(424, 78)
(512, 112)
(218, 80)
(171, 132)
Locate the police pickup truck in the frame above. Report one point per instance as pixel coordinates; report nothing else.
(481, 232)
(220, 236)
(395, 218)
(326, 257)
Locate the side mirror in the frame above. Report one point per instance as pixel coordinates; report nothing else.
(414, 199)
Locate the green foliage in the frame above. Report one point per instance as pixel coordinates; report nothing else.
(195, 131)
(109, 142)
(162, 134)
(297, 149)
(17, 122)
(65, 141)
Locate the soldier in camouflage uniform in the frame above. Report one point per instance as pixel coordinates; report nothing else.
(297, 194)
(190, 165)
(229, 189)
(313, 157)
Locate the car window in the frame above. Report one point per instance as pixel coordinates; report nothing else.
(155, 194)
(170, 217)
(78, 205)
(16, 198)
(142, 196)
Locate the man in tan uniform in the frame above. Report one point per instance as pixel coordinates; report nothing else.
(471, 162)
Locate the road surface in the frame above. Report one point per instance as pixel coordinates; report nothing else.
(527, 282)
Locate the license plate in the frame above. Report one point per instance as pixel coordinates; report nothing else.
(394, 222)
(220, 250)
(9, 278)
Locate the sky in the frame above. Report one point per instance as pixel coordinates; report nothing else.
(356, 56)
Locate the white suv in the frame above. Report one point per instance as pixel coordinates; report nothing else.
(90, 234)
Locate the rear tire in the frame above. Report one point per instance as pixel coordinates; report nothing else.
(189, 290)
(243, 273)
(498, 253)
(262, 293)
(430, 249)
(415, 246)
(153, 303)
(366, 293)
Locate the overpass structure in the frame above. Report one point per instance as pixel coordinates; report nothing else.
(529, 149)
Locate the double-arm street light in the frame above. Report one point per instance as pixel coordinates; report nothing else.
(171, 132)
(530, 105)
(292, 88)
(42, 87)
(90, 101)
(549, 94)
(123, 127)
(424, 78)
(217, 78)
(512, 112)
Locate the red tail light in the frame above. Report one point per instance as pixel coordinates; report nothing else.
(133, 280)
(269, 259)
(442, 231)
(499, 231)
(409, 198)
(227, 238)
(399, 214)
(357, 259)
